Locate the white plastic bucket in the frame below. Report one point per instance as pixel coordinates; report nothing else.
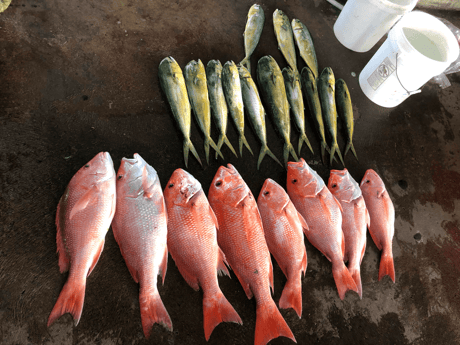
(362, 23)
(418, 48)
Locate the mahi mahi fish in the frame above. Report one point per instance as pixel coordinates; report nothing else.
(345, 111)
(285, 38)
(252, 33)
(305, 44)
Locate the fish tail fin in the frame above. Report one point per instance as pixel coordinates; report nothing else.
(153, 311)
(334, 149)
(303, 138)
(288, 148)
(246, 62)
(266, 151)
(387, 267)
(208, 141)
(242, 141)
(291, 297)
(188, 146)
(220, 142)
(348, 147)
(70, 300)
(227, 142)
(323, 152)
(356, 275)
(343, 279)
(217, 309)
(270, 324)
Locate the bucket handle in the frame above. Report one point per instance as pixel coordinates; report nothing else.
(410, 93)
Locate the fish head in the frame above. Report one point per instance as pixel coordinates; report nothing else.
(303, 180)
(97, 170)
(371, 182)
(327, 76)
(230, 71)
(296, 24)
(255, 10)
(273, 196)
(228, 187)
(169, 66)
(279, 18)
(243, 72)
(135, 177)
(213, 71)
(343, 186)
(181, 188)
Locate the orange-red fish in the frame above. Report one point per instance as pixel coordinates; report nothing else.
(192, 242)
(140, 229)
(323, 214)
(355, 220)
(283, 228)
(241, 237)
(382, 223)
(83, 218)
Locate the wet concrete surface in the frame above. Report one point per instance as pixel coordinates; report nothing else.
(77, 78)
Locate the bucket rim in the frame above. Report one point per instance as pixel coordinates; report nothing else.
(390, 6)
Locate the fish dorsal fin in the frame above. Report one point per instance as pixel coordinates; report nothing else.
(89, 196)
(213, 217)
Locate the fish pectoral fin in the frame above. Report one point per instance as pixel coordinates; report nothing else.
(338, 203)
(368, 219)
(84, 201)
(164, 265)
(380, 193)
(96, 257)
(213, 217)
(303, 222)
(270, 276)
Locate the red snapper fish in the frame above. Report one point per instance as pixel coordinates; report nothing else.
(355, 219)
(192, 242)
(283, 228)
(382, 223)
(83, 217)
(323, 214)
(140, 229)
(241, 237)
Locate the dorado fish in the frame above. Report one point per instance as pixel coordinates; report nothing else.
(192, 242)
(295, 98)
(173, 84)
(310, 89)
(256, 112)
(140, 229)
(345, 111)
(323, 214)
(355, 220)
(382, 220)
(4, 5)
(273, 91)
(232, 91)
(241, 237)
(305, 44)
(217, 101)
(285, 38)
(283, 227)
(83, 217)
(326, 90)
(252, 33)
(197, 89)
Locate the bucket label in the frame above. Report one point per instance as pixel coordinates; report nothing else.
(381, 74)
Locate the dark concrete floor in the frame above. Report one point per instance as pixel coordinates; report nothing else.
(80, 77)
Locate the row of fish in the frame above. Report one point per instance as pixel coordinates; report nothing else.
(231, 229)
(218, 90)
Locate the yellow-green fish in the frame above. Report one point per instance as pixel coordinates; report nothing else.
(4, 5)
(345, 111)
(310, 89)
(219, 108)
(256, 112)
(232, 91)
(173, 84)
(273, 91)
(285, 38)
(326, 90)
(295, 98)
(305, 44)
(252, 32)
(197, 89)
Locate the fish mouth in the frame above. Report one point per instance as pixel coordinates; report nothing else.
(367, 176)
(297, 165)
(339, 172)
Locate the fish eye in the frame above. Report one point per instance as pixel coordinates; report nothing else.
(120, 177)
(87, 166)
(294, 181)
(218, 183)
(367, 181)
(266, 193)
(171, 185)
(334, 185)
